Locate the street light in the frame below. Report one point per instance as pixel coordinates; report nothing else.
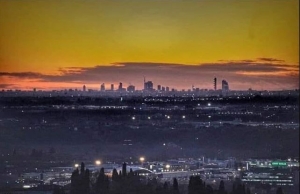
(76, 165)
(142, 159)
(97, 162)
(168, 167)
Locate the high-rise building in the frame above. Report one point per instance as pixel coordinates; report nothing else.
(112, 87)
(225, 86)
(215, 83)
(159, 87)
(84, 88)
(102, 88)
(167, 89)
(163, 89)
(120, 86)
(131, 88)
(148, 86)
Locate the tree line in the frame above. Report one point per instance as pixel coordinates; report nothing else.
(123, 182)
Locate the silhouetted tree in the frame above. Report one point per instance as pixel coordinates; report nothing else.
(248, 191)
(209, 190)
(131, 174)
(279, 191)
(166, 186)
(221, 188)
(124, 169)
(86, 179)
(80, 183)
(115, 175)
(82, 168)
(195, 185)
(175, 184)
(74, 181)
(102, 183)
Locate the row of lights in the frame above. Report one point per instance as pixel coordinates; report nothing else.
(98, 162)
(168, 117)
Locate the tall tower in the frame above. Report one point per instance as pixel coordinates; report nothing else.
(102, 88)
(84, 88)
(225, 86)
(215, 83)
(120, 86)
(112, 87)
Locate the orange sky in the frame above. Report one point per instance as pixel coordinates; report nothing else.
(47, 38)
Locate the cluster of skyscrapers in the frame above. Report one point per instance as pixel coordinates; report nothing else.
(148, 87)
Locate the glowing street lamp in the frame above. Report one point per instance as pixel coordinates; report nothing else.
(142, 159)
(168, 167)
(97, 162)
(76, 165)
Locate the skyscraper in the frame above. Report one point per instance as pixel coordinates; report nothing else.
(102, 88)
(148, 86)
(215, 83)
(225, 86)
(120, 86)
(131, 88)
(112, 87)
(159, 87)
(84, 88)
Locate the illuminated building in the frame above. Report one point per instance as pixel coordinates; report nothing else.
(273, 173)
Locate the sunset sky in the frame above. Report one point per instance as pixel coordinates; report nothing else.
(48, 44)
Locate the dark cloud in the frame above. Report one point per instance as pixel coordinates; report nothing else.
(240, 74)
(271, 60)
(3, 86)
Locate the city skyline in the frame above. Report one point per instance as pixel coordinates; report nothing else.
(258, 75)
(57, 45)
